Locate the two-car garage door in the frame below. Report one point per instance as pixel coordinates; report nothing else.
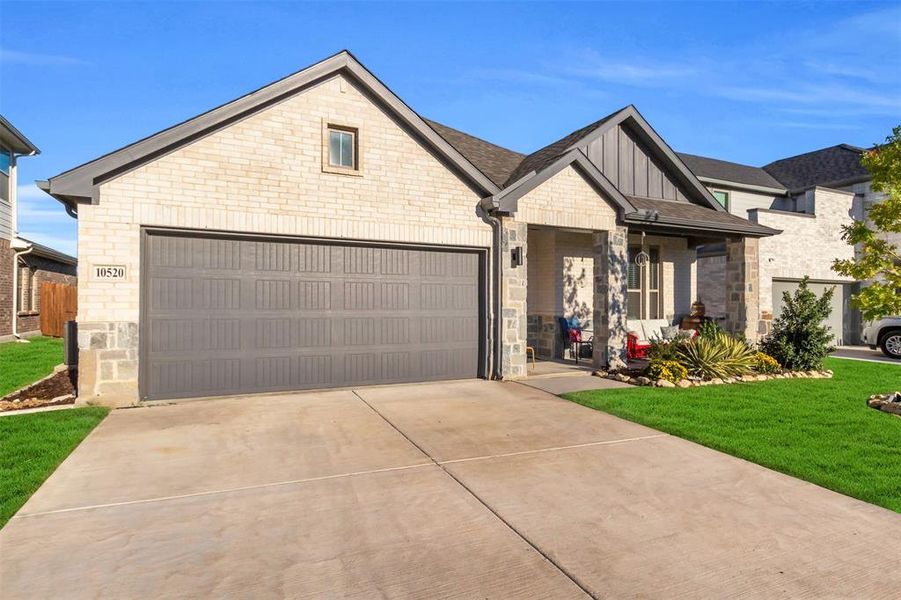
(232, 315)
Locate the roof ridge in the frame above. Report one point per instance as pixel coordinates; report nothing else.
(563, 144)
(731, 162)
(834, 146)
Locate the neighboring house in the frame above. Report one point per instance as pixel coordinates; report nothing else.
(809, 197)
(319, 233)
(24, 265)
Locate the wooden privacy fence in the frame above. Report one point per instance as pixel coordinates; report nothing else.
(59, 303)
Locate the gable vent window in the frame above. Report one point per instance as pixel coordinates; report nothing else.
(342, 149)
(722, 198)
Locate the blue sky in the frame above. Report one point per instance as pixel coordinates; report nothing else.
(746, 82)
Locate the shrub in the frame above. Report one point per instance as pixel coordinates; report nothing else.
(709, 329)
(669, 370)
(720, 356)
(799, 340)
(766, 363)
(668, 349)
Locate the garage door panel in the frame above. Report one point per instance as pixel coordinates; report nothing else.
(234, 315)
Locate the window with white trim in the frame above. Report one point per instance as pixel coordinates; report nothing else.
(343, 147)
(644, 299)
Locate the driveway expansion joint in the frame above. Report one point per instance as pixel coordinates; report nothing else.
(487, 506)
(222, 491)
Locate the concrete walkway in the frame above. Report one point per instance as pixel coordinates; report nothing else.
(464, 489)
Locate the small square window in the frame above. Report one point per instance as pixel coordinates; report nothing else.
(342, 148)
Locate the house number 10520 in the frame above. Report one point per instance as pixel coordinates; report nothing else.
(109, 272)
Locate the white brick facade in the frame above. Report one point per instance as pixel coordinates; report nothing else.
(808, 244)
(264, 175)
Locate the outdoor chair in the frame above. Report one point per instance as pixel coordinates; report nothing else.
(573, 338)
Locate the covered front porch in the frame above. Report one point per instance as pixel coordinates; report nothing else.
(606, 285)
(660, 278)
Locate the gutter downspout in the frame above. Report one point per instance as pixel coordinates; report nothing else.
(15, 316)
(23, 246)
(494, 301)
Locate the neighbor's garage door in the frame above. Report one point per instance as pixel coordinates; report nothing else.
(844, 320)
(225, 316)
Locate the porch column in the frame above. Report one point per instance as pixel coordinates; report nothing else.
(610, 265)
(514, 284)
(742, 293)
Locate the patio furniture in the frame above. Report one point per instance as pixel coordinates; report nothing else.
(532, 350)
(640, 334)
(571, 331)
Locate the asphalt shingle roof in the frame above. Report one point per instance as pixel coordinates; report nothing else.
(543, 157)
(820, 167)
(713, 168)
(496, 162)
(700, 215)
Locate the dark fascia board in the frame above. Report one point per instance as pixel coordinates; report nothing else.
(726, 183)
(507, 201)
(750, 230)
(15, 140)
(660, 148)
(51, 254)
(831, 185)
(78, 184)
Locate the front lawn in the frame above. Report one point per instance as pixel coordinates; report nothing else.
(33, 445)
(820, 430)
(21, 364)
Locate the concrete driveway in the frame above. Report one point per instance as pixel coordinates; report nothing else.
(463, 489)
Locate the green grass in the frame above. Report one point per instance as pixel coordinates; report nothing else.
(33, 445)
(21, 364)
(815, 429)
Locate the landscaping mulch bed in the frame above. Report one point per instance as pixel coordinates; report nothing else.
(55, 389)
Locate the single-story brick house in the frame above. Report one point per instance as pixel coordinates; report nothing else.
(319, 233)
(24, 265)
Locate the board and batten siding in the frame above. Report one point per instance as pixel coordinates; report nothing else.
(628, 164)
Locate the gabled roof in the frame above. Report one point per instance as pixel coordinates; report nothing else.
(547, 155)
(15, 140)
(77, 185)
(721, 170)
(507, 200)
(541, 159)
(494, 161)
(836, 165)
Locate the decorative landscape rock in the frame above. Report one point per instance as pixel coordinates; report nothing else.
(890, 403)
(663, 383)
(683, 383)
(643, 380)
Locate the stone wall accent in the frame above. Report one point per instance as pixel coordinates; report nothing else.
(544, 336)
(742, 305)
(610, 310)
(108, 363)
(514, 284)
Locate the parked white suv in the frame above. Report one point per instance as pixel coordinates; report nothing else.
(886, 334)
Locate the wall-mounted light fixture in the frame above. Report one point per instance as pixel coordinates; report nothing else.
(516, 257)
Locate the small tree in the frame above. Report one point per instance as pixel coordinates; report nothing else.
(799, 340)
(878, 260)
